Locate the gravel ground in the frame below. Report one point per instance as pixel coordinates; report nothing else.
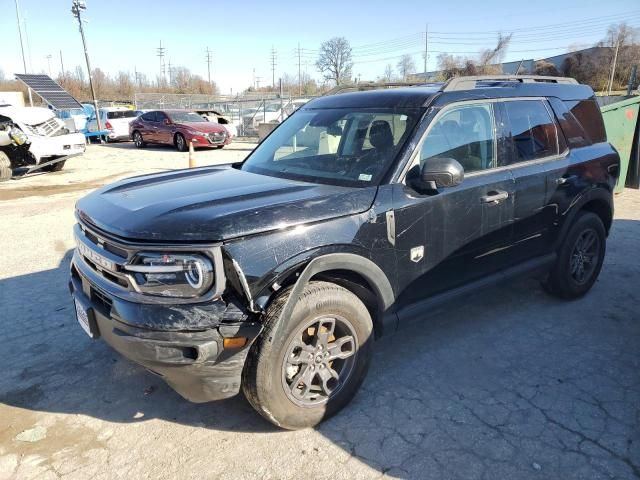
(514, 384)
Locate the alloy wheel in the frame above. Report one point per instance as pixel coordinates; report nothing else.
(584, 257)
(319, 360)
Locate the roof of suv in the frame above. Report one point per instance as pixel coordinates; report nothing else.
(456, 89)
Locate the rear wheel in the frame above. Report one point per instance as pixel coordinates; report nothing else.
(5, 167)
(305, 368)
(579, 259)
(180, 142)
(138, 140)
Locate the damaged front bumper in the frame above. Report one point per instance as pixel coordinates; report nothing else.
(192, 360)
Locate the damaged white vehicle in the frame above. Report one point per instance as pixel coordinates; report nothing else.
(32, 137)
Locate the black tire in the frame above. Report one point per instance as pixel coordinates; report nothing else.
(583, 252)
(138, 140)
(5, 167)
(56, 167)
(268, 382)
(220, 147)
(180, 143)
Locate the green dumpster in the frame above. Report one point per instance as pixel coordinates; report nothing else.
(621, 123)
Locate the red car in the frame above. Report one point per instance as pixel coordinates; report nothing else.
(177, 128)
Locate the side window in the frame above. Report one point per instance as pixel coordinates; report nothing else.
(149, 117)
(160, 117)
(465, 133)
(532, 129)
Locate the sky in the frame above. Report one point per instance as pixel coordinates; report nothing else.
(124, 35)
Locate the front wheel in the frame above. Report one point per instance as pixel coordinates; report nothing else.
(579, 259)
(5, 167)
(305, 368)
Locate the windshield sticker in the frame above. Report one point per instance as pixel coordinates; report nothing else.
(365, 177)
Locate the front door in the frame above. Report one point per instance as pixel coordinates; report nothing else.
(447, 238)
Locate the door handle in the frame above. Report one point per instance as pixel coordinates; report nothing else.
(495, 196)
(565, 180)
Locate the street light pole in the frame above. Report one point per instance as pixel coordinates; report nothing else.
(76, 8)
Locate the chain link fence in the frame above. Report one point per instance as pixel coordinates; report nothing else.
(247, 112)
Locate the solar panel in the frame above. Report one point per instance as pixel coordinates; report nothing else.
(49, 90)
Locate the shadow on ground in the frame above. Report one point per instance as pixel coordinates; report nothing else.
(509, 384)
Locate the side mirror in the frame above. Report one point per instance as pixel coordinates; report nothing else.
(438, 172)
(167, 121)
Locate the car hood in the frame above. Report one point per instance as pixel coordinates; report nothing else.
(205, 127)
(214, 204)
(27, 115)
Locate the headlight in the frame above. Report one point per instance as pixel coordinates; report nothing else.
(171, 274)
(18, 136)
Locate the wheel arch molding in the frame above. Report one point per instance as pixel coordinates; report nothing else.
(349, 270)
(596, 200)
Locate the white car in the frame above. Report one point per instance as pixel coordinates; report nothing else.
(115, 120)
(217, 117)
(47, 134)
(272, 112)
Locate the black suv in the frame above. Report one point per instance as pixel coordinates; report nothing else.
(358, 213)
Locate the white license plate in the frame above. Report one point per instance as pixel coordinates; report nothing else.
(83, 318)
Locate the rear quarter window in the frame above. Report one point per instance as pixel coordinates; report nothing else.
(587, 113)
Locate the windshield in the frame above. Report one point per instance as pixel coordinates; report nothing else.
(122, 114)
(351, 147)
(179, 117)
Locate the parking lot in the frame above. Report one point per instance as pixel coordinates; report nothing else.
(509, 384)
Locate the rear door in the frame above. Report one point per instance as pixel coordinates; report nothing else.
(447, 238)
(149, 125)
(535, 153)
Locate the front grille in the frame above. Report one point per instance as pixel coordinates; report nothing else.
(47, 129)
(103, 256)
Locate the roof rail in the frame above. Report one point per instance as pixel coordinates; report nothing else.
(362, 86)
(468, 83)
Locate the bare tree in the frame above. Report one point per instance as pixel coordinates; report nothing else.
(388, 73)
(2, 77)
(335, 61)
(406, 65)
(493, 56)
(546, 68)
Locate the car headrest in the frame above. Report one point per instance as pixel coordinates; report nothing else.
(380, 135)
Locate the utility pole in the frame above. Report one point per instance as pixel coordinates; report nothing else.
(209, 65)
(299, 72)
(170, 70)
(161, 53)
(426, 49)
(24, 62)
(273, 67)
(62, 74)
(76, 9)
(613, 67)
